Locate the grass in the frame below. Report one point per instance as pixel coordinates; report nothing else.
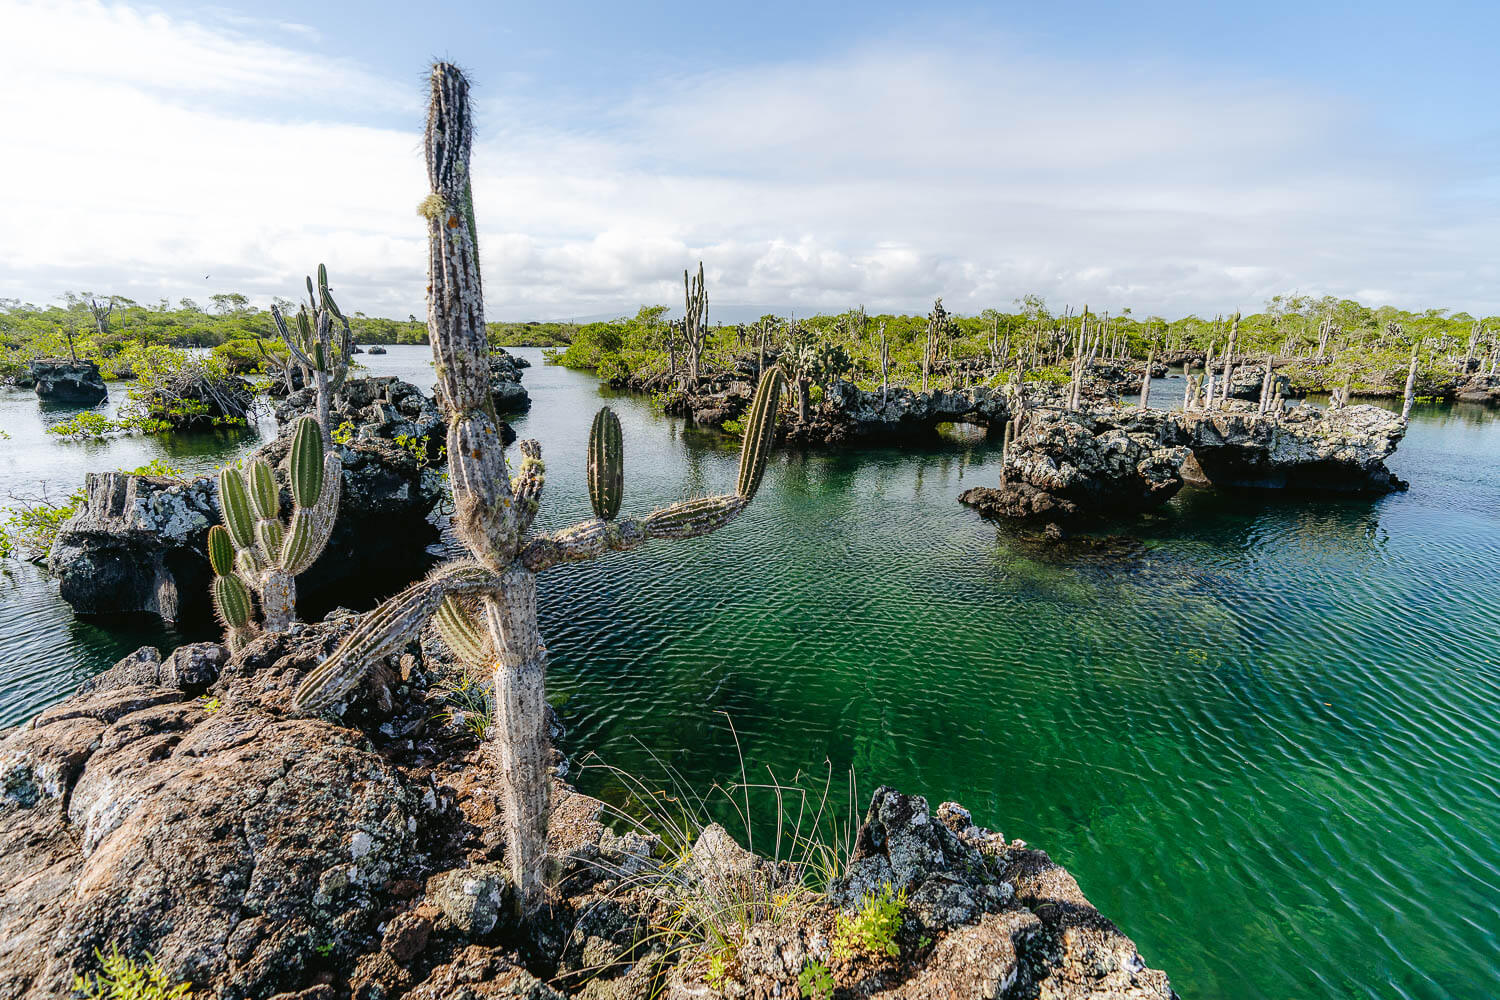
(803, 846)
(469, 701)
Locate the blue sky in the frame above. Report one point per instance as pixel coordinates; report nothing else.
(1169, 157)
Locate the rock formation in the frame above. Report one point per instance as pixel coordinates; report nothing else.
(1304, 448)
(1063, 465)
(1102, 462)
(177, 808)
(62, 380)
(137, 544)
(140, 543)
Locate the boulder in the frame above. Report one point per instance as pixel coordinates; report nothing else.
(375, 349)
(63, 380)
(137, 543)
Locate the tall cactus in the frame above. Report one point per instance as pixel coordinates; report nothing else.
(265, 554)
(314, 347)
(485, 606)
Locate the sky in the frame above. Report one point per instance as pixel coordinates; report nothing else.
(1170, 157)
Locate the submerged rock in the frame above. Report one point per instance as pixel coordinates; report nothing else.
(63, 380)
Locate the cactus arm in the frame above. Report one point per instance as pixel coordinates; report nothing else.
(591, 539)
(312, 526)
(760, 432)
(462, 633)
(287, 338)
(387, 629)
(341, 353)
(528, 483)
(692, 518)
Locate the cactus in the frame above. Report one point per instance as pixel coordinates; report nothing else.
(606, 464)
(314, 347)
(255, 549)
(230, 595)
(484, 607)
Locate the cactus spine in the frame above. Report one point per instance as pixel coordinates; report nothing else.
(314, 347)
(254, 548)
(485, 607)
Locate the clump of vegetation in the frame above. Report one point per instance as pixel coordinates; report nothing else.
(468, 700)
(873, 927)
(122, 978)
(815, 981)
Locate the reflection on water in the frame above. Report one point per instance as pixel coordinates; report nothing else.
(1261, 731)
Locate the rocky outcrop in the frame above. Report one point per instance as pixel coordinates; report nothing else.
(1124, 460)
(381, 406)
(375, 349)
(1065, 465)
(62, 380)
(137, 544)
(1478, 388)
(1304, 448)
(255, 853)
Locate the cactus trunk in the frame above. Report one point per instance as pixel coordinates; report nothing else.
(522, 748)
(278, 600)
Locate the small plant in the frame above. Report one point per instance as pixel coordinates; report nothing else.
(86, 426)
(343, 433)
(210, 705)
(121, 978)
(873, 927)
(718, 969)
(159, 468)
(469, 701)
(815, 981)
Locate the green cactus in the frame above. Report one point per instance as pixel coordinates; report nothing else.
(314, 347)
(606, 464)
(255, 549)
(230, 596)
(484, 608)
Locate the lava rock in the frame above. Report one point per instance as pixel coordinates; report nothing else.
(62, 380)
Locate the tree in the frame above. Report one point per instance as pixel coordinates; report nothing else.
(230, 303)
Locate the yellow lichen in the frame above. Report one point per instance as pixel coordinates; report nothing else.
(433, 206)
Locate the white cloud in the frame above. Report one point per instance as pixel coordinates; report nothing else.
(146, 152)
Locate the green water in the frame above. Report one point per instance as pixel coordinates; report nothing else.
(1262, 733)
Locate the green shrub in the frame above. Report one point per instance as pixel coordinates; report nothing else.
(815, 981)
(122, 979)
(873, 927)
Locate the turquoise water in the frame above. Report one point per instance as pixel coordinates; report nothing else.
(1262, 732)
